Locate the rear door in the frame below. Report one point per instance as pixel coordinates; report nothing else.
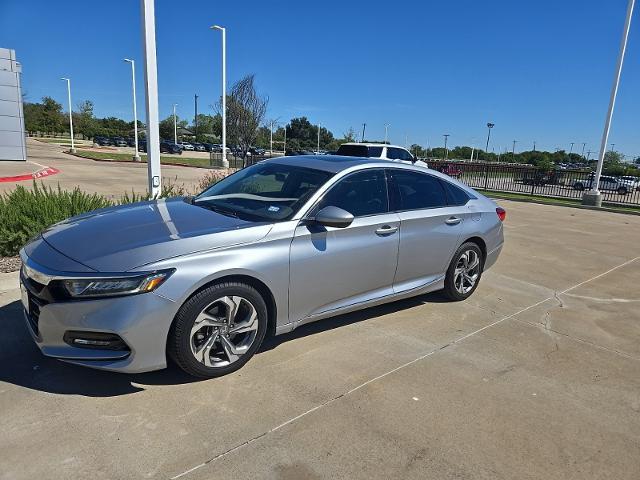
(430, 226)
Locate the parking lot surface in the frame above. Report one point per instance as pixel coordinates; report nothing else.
(536, 376)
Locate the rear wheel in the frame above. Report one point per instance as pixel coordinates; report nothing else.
(578, 186)
(464, 272)
(622, 191)
(218, 330)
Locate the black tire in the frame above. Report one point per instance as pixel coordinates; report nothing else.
(622, 191)
(179, 340)
(578, 186)
(450, 290)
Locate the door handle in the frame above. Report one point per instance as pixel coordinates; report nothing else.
(453, 220)
(386, 230)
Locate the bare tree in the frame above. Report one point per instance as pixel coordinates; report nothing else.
(245, 112)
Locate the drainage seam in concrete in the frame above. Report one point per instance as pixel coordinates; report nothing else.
(400, 367)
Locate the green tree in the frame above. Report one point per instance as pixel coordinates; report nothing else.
(166, 127)
(83, 120)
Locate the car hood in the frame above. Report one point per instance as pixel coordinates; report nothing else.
(122, 238)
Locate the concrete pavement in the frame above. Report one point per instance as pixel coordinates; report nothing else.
(111, 179)
(535, 376)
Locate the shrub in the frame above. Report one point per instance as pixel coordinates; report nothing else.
(25, 213)
(212, 177)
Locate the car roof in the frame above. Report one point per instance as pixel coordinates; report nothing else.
(326, 163)
(366, 144)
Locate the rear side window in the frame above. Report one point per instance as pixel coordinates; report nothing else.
(360, 194)
(414, 191)
(375, 152)
(398, 154)
(353, 151)
(455, 195)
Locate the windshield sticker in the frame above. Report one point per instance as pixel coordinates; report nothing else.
(273, 208)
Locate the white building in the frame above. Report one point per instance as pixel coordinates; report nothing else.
(12, 135)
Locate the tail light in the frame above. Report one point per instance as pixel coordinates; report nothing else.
(502, 213)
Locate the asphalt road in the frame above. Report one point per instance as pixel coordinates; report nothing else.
(534, 377)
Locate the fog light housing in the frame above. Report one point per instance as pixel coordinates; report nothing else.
(95, 340)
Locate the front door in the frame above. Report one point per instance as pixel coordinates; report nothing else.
(332, 268)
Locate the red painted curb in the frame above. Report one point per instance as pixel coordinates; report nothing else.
(45, 172)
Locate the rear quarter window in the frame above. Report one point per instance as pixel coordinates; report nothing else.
(455, 195)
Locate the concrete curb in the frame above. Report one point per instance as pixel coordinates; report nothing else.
(560, 204)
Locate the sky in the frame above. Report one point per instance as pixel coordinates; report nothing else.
(540, 70)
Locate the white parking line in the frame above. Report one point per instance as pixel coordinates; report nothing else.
(404, 365)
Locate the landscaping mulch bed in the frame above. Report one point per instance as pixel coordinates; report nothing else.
(9, 264)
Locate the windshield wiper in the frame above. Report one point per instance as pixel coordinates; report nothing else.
(221, 210)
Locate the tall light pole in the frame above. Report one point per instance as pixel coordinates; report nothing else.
(489, 126)
(593, 196)
(386, 132)
(73, 148)
(284, 147)
(136, 155)
(534, 145)
(195, 116)
(318, 147)
(271, 140)
(571, 150)
(175, 124)
(446, 152)
(364, 127)
(612, 146)
(584, 144)
(151, 97)
(225, 162)
(513, 151)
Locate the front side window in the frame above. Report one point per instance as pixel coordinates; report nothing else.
(263, 192)
(414, 191)
(361, 194)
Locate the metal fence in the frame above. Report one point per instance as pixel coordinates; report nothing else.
(527, 179)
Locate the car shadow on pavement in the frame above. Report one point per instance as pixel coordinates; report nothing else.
(22, 364)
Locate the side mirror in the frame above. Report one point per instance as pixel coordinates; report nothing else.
(333, 217)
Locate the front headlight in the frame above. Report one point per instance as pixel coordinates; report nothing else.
(104, 287)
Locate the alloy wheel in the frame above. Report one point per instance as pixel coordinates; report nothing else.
(467, 271)
(224, 331)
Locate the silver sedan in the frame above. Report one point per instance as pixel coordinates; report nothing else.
(203, 280)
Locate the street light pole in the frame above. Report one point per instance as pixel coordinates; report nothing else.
(284, 148)
(571, 151)
(151, 97)
(225, 162)
(489, 126)
(136, 155)
(318, 147)
(446, 152)
(513, 151)
(534, 145)
(364, 127)
(271, 140)
(594, 197)
(73, 148)
(584, 144)
(175, 125)
(386, 132)
(195, 117)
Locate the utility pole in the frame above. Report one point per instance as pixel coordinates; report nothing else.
(571, 150)
(513, 151)
(584, 144)
(271, 140)
(195, 118)
(284, 148)
(386, 132)
(446, 152)
(364, 127)
(612, 145)
(534, 145)
(318, 146)
(593, 196)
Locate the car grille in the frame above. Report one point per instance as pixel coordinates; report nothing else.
(34, 312)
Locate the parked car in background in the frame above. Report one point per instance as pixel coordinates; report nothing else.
(187, 146)
(379, 150)
(256, 151)
(199, 147)
(607, 183)
(170, 147)
(450, 169)
(203, 280)
(142, 145)
(131, 142)
(632, 182)
(102, 141)
(119, 142)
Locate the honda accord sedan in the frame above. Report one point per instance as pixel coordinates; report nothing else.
(202, 280)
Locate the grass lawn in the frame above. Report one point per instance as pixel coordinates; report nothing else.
(127, 157)
(555, 201)
(62, 141)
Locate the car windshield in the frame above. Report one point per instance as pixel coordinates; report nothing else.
(263, 192)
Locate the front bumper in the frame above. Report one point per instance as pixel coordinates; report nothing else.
(142, 321)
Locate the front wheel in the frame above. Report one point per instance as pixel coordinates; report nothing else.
(464, 272)
(218, 330)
